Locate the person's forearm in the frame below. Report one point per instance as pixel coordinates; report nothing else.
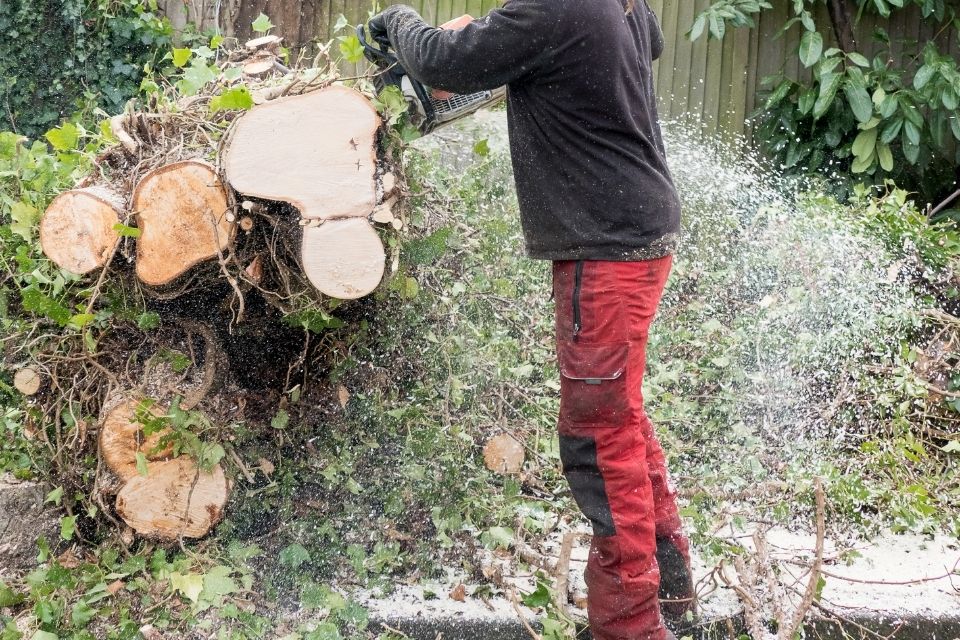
(484, 54)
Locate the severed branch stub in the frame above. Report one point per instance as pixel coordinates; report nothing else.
(78, 229)
(181, 210)
(175, 499)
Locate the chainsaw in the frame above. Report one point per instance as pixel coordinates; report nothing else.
(428, 108)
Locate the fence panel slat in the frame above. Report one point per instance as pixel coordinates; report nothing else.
(711, 82)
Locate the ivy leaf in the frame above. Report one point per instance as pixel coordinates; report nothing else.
(9, 597)
(262, 24)
(951, 447)
(126, 231)
(189, 585)
(80, 320)
(195, 77)
(68, 526)
(482, 148)
(23, 218)
(294, 556)
(217, 582)
(351, 49)
(64, 137)
(539, 598)
(811, 48)
(82, 613)
(341, 23)
(181, 57)
(44, 635)
(281, 420)
(236, 98)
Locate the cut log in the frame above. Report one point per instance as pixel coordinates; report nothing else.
(503, 454)
(271, 43)
(315, 151)
(174, 499)
(260, 65)
(343, 258)
(27, 381)
(77, 231)
(181, 210)
(122, 438)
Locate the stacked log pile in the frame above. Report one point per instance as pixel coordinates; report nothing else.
(279, 201)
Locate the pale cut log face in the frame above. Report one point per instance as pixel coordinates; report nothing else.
(343, 258)
(121, 438)
(77, 231)
(315, 151)
(181, 210)
(156, 505)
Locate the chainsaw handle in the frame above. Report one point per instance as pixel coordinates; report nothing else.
(379, 56)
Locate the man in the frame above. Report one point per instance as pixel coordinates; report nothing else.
(597, 199)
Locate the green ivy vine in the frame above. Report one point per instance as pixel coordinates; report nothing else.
(63, 57)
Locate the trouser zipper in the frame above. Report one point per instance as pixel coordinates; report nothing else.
(577, 283)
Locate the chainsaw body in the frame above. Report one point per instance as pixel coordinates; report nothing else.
(428, 108)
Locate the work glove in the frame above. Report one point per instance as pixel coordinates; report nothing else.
(378, 25)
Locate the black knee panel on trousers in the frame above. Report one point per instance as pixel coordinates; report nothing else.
(579, 457)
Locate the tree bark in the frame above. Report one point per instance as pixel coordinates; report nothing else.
(842, 24)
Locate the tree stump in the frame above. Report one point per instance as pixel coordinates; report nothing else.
(315, 151)
(343, 258)
(122, 438)
(77, 231)
(174, 499)
(181, 211)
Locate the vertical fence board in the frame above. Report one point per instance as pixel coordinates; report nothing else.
(718, 84)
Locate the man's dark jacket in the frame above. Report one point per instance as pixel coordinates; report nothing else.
(588, 157)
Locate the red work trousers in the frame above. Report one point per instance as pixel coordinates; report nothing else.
(610, 454)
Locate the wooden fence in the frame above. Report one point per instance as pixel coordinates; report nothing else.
(711, 83)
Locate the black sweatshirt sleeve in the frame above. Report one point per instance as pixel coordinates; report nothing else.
(656, 33)
(485, 54)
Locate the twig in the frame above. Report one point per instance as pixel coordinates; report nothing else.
(563, 570)
(523, 620)
(789, 631)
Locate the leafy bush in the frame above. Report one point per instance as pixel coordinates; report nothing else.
(58, 57)
(892, 116)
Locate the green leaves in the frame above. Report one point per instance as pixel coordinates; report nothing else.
(829, 85)
(23, 220)
(811, 48)
(262, 24)
(351, 49)
(180, 57)
(125, 231)
(231, 99)
(737, 12)
(68, 526)
(294, 556)
(860, 102)
(64, 138)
